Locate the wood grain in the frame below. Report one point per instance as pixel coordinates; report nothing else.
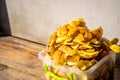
(20, 58)
(7, 73)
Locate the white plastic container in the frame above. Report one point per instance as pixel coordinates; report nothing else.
(102, 70)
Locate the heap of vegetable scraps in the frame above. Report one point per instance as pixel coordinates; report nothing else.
(75, 45)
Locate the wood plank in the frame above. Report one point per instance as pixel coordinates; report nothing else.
(22, 62)
(7, 73)
(21, 55)
(16, 41)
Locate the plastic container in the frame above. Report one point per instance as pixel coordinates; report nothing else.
(102, 70)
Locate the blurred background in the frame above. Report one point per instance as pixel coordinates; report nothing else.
(36, 20)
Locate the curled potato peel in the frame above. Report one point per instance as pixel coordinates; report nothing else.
(71, 60)
(84, 64)
(89, 55)
(79, 38)
(88, 36)
(79, 22)
(75, 46)
(114, 41)
(95, 41)
(58, 57)
(72, 31)
(62, 30)
(62, 39)
(115, 48)
(67, 50)
(97, 32)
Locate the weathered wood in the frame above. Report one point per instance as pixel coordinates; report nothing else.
(20, 57)
(7, 73)
(20, 42)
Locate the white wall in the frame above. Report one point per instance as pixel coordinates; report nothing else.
(37, 19)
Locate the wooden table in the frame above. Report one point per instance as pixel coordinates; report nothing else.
(18, 59)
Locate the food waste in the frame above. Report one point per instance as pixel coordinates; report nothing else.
(74, 45)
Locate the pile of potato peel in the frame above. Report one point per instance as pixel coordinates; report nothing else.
(75, 45)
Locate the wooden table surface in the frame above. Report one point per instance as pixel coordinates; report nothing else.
(18, 59)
